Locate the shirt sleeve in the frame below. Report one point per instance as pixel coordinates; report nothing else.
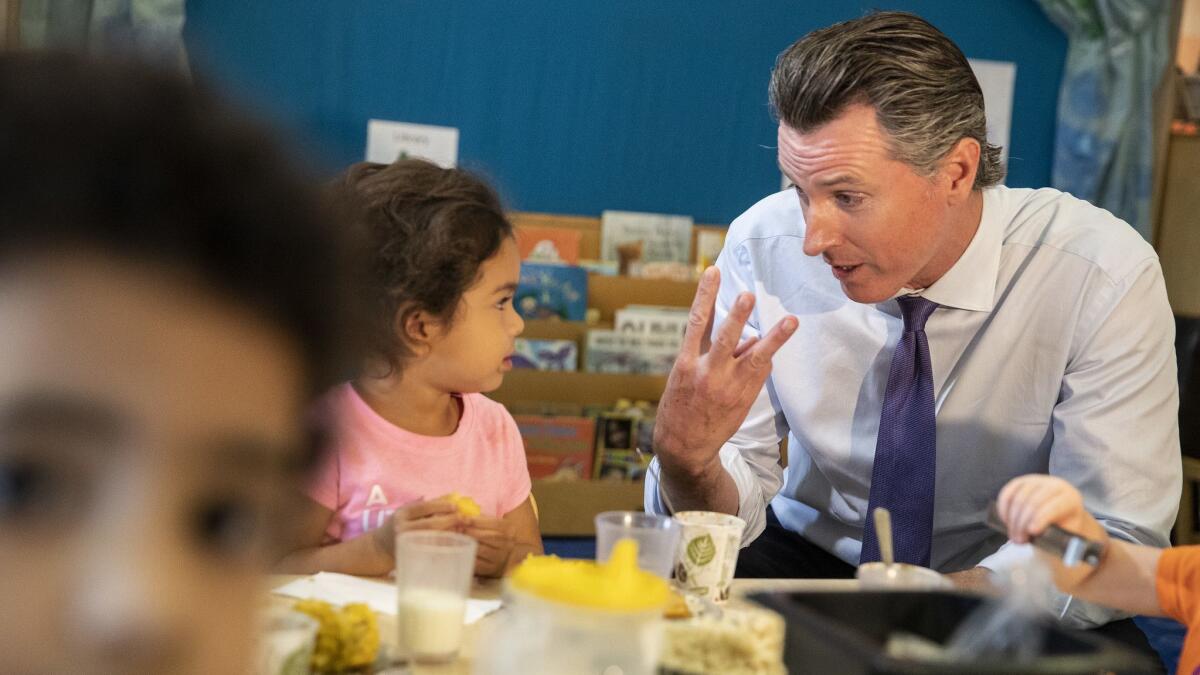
(323, 487)
(1177, 582)
(1116, 428)
(751, 456)
(516, 469)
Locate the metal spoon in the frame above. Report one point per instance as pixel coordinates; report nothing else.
(883, 534)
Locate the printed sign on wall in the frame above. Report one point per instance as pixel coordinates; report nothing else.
(388, 141)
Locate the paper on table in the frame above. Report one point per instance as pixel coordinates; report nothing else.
(380, 596)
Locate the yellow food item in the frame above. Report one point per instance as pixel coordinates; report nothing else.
(465, 505)
(677, 607)
(616, 585)
(347, 638)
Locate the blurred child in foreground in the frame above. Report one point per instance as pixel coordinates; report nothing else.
(168, 307)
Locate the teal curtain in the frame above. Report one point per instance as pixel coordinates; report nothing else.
(1116, 54)
(152, 29)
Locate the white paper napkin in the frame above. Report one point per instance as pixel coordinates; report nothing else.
(380, 596)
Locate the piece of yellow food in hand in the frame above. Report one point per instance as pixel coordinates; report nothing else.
(465, 505)
(348, 638)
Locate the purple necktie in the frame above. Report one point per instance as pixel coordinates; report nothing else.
(902, 480)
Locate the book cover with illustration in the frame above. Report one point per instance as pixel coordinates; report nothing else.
(547, 291)
(558, 448)
(652, 321)
(612, 351)
(623, 446)
(549, 244)
(664, 238)
(545, 354)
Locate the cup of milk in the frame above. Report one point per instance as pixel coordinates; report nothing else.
(433, 580)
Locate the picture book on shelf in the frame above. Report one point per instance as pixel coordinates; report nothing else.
(540, 354)
(664, 238)
(622, 445)
(549, 244)
(548, 290)
(651, 320)
(558, 448)
(612, 351)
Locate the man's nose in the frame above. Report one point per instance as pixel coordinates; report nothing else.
(821, 232)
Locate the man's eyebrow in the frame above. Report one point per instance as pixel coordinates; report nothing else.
(60, 412)
(839, 179)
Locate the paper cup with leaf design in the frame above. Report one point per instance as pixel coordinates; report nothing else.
(708, 552)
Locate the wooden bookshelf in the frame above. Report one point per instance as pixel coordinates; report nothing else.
(10, 24)
(568, 508)
(589, 228)
(575, 387)
(1187, 524)
(608, 294)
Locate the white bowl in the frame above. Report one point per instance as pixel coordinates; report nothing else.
(900, 576)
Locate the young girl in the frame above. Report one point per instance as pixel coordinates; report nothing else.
(414, 427)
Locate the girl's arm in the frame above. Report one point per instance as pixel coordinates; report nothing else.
(527, 534)
(1126, 576)
(504, 542)
(373, 553)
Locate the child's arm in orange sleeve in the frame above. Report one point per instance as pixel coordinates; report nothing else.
(1126, 576)
(1179, 582)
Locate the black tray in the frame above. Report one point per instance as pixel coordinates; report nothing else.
(845, 632)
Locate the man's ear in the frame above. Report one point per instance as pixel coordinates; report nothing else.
(417, 329)
(958, 168)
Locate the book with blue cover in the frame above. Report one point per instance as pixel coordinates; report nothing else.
(541, 354)
(548, 290)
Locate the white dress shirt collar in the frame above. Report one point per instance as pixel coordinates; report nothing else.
(970, 283)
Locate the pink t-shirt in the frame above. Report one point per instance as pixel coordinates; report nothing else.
(377, 467)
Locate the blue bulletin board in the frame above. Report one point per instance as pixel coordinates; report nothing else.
(576, 106)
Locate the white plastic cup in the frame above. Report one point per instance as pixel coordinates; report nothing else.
(287, 639)
(544, 637)
(657, 538)
(708, 552)
(900, 577)
(433, 580)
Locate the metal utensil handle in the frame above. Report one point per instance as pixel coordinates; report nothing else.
(1072, 548)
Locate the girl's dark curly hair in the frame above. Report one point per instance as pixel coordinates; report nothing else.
(429, 230)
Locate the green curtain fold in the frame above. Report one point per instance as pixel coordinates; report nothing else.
(152, 29)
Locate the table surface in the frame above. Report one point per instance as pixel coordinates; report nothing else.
(490, 590)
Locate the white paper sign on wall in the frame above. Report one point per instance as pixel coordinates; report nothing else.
(388, 141)
(997, 79)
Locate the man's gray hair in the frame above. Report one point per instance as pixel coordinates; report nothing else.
(922, 88)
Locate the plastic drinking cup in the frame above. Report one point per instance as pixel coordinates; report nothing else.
(657, 538)
(433, 580)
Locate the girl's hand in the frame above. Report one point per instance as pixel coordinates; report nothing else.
(424, 515)
(496, 538)
(1029, 504)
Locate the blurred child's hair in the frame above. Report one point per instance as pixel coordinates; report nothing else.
(430, 229)
(141, 164)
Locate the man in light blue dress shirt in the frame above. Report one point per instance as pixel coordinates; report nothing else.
(1051, 345)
